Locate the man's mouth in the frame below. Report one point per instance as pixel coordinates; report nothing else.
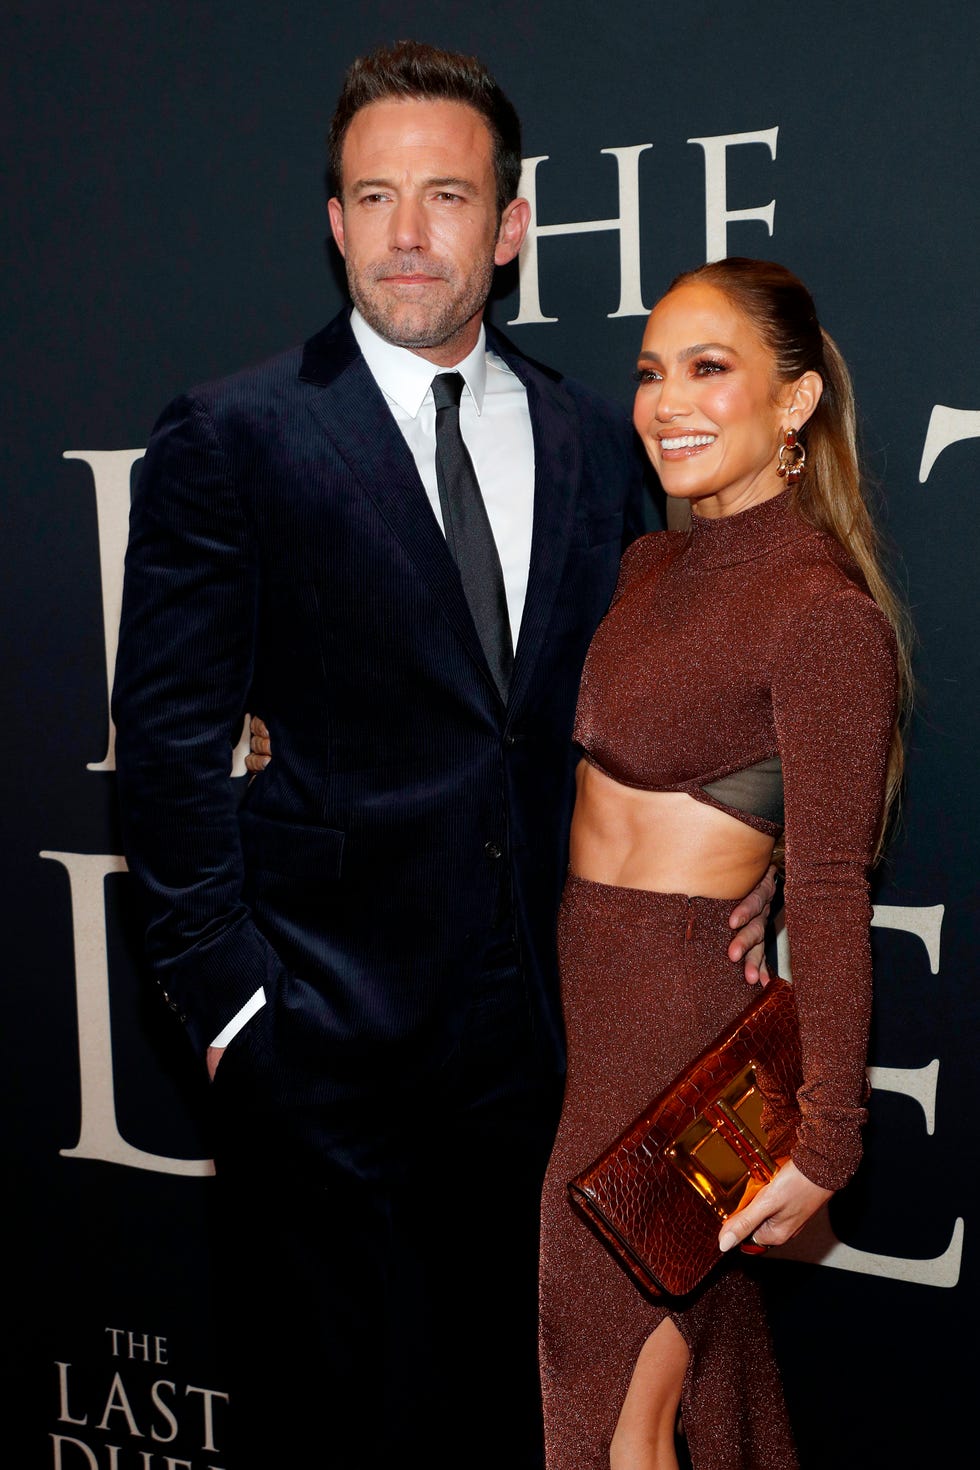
(411, 278)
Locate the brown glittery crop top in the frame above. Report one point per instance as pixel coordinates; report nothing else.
(749, 643)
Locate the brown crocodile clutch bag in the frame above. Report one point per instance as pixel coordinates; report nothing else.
(658, 1196)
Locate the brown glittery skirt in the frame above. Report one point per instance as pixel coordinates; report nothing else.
(646, 985)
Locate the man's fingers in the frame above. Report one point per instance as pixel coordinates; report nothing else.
(748, 908)
(750, 918)
(755, 904)
(749, 943)
(260, 746)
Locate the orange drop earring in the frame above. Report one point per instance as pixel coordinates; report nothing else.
(791, 464)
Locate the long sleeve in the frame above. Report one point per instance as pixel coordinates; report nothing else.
(833, 692)
(182, 678)
(745, 639)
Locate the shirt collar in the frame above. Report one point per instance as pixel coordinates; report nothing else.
(405, 377)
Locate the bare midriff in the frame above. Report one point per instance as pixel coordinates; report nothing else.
(665, 841)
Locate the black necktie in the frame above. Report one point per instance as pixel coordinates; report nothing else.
(468, 532)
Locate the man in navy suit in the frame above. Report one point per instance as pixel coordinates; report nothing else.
(363, 948)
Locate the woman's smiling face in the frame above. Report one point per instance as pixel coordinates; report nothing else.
(708, 408)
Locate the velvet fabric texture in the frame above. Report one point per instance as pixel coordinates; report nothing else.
(284, 558)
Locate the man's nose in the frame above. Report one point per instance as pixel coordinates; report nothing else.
(408, 227)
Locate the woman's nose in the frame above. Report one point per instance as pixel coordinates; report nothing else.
(672, 400)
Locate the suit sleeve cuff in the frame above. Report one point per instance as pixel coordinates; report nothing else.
(248, 1010)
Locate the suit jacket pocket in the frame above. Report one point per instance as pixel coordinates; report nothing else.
(290, 848)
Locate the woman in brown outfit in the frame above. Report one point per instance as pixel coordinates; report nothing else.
(744, 686)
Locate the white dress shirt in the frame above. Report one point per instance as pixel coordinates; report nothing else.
(495, 423)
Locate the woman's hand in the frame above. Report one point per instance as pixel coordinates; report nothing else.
(260, 747)
(776, 1213)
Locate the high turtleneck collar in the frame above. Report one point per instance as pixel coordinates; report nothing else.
(749, 534)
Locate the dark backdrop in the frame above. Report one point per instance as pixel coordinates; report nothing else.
(165, 224)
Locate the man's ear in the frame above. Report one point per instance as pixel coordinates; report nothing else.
(335, 210)
(514, 223)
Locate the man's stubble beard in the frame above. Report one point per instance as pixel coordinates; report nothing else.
(442, 320)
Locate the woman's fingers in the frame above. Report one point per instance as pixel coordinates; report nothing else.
(776, 1213)
(744, 1222)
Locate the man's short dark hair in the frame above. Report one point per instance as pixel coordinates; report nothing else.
(413, 70)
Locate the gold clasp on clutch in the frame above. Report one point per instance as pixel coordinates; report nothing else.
(725, 1146)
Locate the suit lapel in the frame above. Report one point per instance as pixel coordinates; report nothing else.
(350, 408)
(557, 432)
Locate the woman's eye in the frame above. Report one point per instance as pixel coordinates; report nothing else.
(706, 366)
(646, 375)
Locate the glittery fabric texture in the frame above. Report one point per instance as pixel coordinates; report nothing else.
(746, 638)
(646, 985)
(743, 639)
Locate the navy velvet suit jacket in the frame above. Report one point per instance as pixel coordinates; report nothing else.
(283, 557)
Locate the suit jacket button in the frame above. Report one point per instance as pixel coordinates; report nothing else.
(492, 850)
